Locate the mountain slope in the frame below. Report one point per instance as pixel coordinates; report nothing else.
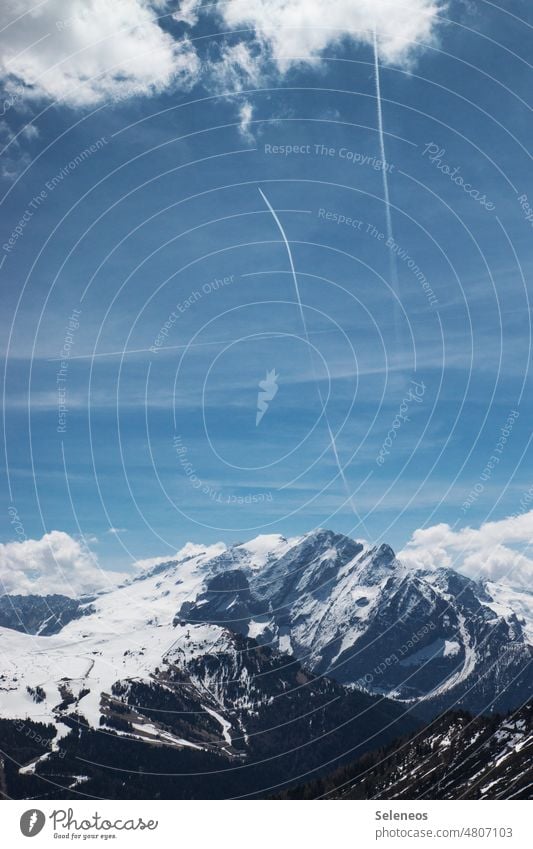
(455, 757)
(220, 717)
(126, 689)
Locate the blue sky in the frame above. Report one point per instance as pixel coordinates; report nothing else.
(149, 223)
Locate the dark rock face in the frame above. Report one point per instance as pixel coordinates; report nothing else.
(35, 614)
(226, 601)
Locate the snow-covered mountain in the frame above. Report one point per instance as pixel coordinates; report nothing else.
(212, 653)
(359, 615)
(125, 687)
(354, 613)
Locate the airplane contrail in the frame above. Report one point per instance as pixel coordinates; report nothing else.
(386, 194)
(306, 334)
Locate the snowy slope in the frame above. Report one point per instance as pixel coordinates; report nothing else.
(125, 637)
(512, 604)
(265, 549)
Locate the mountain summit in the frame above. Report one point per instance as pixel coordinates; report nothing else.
(213, 653)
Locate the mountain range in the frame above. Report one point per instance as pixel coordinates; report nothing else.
(233, 671)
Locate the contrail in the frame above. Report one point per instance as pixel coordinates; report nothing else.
(306, 334)
(382, 136)
(386, 194)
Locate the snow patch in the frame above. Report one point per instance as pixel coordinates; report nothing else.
(266, 547)
(223, 722)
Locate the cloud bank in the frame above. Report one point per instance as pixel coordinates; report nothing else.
(296, 31)
(56, 563)
(486, 552)
(59, 563)
(86, 52)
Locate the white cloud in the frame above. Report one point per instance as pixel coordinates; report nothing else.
(300, 30)
(14, 159)
(30, 131)
(83, 52)
(188, 12)
(14, 164)
(56, 563)
(236, 66)
(246, 112)
(484, 552)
